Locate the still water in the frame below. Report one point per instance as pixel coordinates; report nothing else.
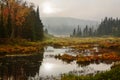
(51, 66)
(44, 66)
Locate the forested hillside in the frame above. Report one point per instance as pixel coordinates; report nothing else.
(19, 20)
(107, 27)
(65, 25)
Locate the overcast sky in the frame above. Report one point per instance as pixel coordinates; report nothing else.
(83, 9)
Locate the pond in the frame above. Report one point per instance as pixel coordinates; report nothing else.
(44, 66)
(52, 67)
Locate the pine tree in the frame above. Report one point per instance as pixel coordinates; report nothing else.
(19, 20)
(2, 27)
(85, 31)
(74, 32)
(80, 33)
(90, 32)
(46, 31)
(77, 33)
(9, 23)
(109, 26)
(38, 27)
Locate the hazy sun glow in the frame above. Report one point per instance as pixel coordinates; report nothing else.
(48, 66)
(47, 8)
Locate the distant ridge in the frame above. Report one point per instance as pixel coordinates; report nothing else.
(65, 25)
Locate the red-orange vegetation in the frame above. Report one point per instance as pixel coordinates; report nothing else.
(81, 59)
(17, 49)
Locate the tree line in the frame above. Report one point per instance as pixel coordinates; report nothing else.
(86, 32)
(18, 19)
(107, 27)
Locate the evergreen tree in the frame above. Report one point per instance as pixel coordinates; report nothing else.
(19, 20)
(109, 26)
(74, 32)
(2, 27)
(28, 31)
(90, 32)
(85, 31)
(46, 31)
(9, 24)
(39, 26)
(80, 33)
(77, 33)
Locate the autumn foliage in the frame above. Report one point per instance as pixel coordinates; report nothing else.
(87, 59)
(14, 23)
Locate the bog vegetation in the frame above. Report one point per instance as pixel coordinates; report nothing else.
(21, 28)
(108, 75)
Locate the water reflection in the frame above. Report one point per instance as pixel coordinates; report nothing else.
(45, 66)
(48, 66)
(19, 68)
(55, 67)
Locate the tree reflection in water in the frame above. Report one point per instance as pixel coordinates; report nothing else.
(20, 68)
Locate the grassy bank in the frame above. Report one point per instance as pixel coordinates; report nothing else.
(104, 42)
(19, 46)
(113, 74)
(26, 46)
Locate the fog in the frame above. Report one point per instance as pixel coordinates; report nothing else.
(82, 9)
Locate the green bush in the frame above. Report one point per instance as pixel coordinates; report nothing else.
(113, 74)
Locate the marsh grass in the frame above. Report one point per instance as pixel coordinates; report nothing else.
(113, 74)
